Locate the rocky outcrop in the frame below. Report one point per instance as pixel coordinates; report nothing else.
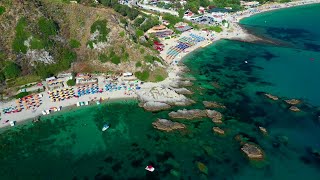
(167, 125)
(252, 151)
(188, 114)
(215, 116)
(293, 101)
(155, 106)
(210, 104)
(218, 130)
(294, 109)
(178, 84)
(183, 91)
(163, 95)
(270, 96)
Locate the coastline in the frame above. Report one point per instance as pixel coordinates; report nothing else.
(235, 32)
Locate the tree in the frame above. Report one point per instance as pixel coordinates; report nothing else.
(47, 27)
(74, 43)
(2, 77)
(71, 82)
(11, 70)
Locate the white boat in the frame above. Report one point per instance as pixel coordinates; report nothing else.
(105, 127)
(150, 168)
(48, 111)
(78, 104)
(246, 62)
(86, 103)
(12, 123)
(59, 108)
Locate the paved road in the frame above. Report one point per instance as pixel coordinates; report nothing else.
(153, 8)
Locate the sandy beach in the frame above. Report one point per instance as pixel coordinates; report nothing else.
(234, 31)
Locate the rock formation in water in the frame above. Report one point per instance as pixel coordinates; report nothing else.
(270, 96)
(188, 114)
(293, 101)
(167, 125)
(252, 151)
(263, 130)
(294, 109)
(183, 91)
(218, 130)
(215, 116)
(202, 168)
(210, 104)
(163, 95)
(155, 106)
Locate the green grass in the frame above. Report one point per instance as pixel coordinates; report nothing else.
(101, 26)
(47, 27)
(138, 64)
(122, 33)
(103, 58)
(74, 43)
(21, 36)
(2, 10)
(25, 80)
(21, 95)
(143, 76)
(36, 44)
(159, 78)
(217, 29)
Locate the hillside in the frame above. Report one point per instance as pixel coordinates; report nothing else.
(40, 38)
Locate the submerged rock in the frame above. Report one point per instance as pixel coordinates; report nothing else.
(252, 151)
(202, 167)
(263, 130)
(214, 115)
(209, 104)
(270, 96)
(188, 114)
(294, 109)
(293, 101)
(155, 106)
(167, 125)
(218, 130)
(180, 83)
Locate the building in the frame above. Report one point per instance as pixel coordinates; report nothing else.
(160, 31)
(85, 79)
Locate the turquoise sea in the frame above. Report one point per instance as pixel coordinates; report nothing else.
(70, 145)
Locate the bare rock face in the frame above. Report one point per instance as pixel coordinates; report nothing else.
(188, 114)
(252, 151)
(155, 106)
(209, 104)
(294, 109)
(163, 95)
(293, 101)
(177, 84)
(183, 91)
(215, 116)
(218, 130)
(167, 125)
(270, 96)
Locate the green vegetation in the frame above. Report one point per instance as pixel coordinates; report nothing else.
(74, 43)
(47, 27)
(2, 10)
(149, 23)
(21, 36)
(65, 58)
(36, 44)
(131, 13)
(138, 21)
(71, 82)
(103, 58)
(159, 78)
(11, 70)
(171, 19)
(112, 57)
(2, 77)
(143, 76)
(138, 64)
(142, 50)
(101, 27)
(151, 59)
(22, 80)
(122, 34)
(139, 33)
(21, 95)
(214, 28)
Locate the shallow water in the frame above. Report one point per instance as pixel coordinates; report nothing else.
(70, 145)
